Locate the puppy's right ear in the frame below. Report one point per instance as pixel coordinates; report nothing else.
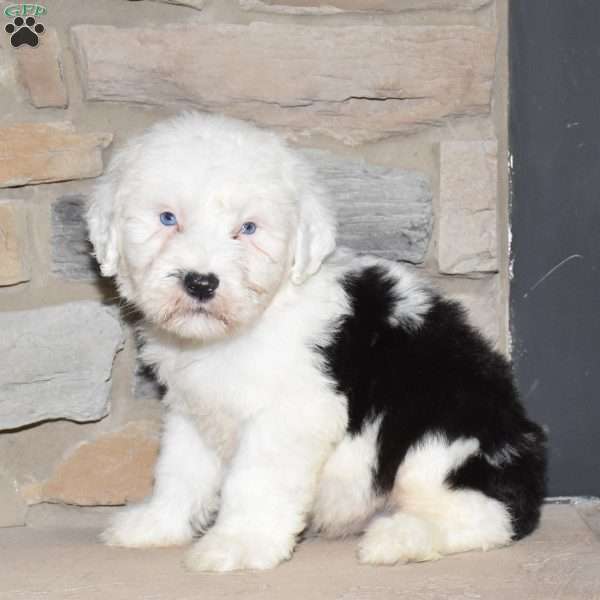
(104, 208)
(101, 221)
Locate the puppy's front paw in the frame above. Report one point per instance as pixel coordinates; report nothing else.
(146, 526)
(218, 551)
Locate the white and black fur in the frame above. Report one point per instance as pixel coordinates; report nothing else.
(436, 379)
(318, 390)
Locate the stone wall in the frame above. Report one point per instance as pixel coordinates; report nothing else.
(401, 105)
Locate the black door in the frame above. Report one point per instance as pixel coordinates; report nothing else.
(555, 291)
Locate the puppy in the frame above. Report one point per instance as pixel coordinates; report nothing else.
(308, 388)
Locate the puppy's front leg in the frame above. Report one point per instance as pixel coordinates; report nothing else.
(187, 478)
(265, 498)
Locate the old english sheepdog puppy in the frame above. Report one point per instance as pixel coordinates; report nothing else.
(308, 389)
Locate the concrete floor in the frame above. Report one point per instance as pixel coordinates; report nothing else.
(57, 556)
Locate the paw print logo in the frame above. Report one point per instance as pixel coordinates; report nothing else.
(24, 32)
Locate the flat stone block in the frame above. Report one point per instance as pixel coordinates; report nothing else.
(44, 152)
(14, 267)
(57, 363)
(114, 469)
(354, 83)
(468, 207)
(380, 210)
(41, 72)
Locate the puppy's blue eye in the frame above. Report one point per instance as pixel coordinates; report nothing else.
(248, 228)
(168, 218)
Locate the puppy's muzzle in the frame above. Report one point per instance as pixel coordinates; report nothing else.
(200, 286)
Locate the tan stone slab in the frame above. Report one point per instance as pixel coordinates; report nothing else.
(560, 561)
(44, 152)
(41, 72)
(354, 83)
(13, 240)
(468, 207)
(311, 7)
(113, 469)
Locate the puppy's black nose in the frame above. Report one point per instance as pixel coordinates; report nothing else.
(201, 286)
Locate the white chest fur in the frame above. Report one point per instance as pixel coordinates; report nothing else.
(272, 366)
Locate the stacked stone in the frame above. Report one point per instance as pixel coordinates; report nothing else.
(392, 102)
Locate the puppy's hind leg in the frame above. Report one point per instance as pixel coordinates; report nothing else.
(433, 519)
(187, 477)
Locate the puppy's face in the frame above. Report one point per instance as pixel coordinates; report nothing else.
(206, 252)
(205, 224)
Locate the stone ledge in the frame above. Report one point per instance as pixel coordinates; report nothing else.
(377, 81)
(560, 560)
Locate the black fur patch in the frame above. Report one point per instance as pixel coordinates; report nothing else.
(442, 377)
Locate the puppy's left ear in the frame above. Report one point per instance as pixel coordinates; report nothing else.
(315, 237)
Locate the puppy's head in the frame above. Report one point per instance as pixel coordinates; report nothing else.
(203, 218)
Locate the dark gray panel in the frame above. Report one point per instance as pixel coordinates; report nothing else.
(555, 293)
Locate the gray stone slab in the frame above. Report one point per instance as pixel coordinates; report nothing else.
(71, 249)
(380, 210)
(560, 561)
(353, 83)
(57, 363)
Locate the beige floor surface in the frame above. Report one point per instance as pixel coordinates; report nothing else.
(61, 559)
